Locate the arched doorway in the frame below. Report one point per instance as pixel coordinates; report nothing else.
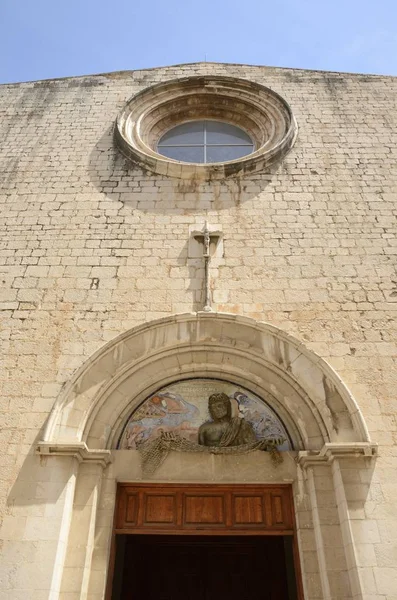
(323, 419)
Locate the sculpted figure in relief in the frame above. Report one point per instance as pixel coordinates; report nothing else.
(224, 429)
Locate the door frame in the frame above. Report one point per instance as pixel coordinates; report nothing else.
(136, 513)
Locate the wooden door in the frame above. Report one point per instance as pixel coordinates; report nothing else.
(202, 542)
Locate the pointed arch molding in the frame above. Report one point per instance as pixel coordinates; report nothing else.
(310, 397)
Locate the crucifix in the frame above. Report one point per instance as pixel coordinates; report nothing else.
(205, 237)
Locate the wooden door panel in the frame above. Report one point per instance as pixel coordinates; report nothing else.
(277, 510)
(203, 509)
(159, 509)
(131, 508)
(281, 513)
(248, 510)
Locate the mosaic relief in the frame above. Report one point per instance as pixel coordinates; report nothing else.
(187, 409)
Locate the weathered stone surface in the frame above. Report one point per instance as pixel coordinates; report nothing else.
(91, 246)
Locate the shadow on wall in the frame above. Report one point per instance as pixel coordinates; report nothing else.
(360, 487)
(196, 285)
(41, 483)
(121, 180)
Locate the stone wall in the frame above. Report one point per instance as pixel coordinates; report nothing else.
(91, 246)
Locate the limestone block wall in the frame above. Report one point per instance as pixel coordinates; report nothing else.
(91, 245)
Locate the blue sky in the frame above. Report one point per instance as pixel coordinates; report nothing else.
(42, 39)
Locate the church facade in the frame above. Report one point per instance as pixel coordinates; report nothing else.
(198, 298)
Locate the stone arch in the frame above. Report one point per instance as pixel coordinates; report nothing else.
(305, 391)
(321, 416)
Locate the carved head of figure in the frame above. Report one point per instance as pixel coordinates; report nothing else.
(219, 406)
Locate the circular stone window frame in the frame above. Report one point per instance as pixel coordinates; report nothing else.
(258, 110)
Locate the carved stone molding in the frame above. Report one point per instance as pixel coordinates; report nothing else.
(256, 109)
(330, 451)
(80, 451)
(302, 388)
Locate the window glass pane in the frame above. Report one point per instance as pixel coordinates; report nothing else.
(194, 154)
(223, 153)
(223, 133)
(187, 133)
(223, 142)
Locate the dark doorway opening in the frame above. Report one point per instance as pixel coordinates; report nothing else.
(210, 567)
